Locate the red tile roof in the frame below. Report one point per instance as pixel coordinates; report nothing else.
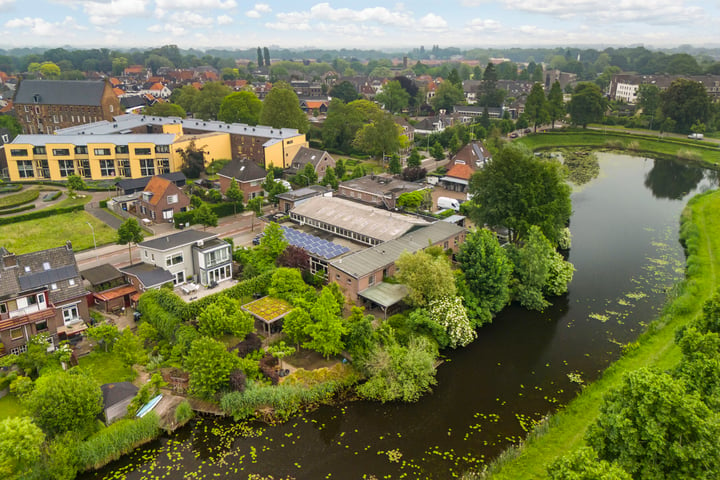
(157, 186)
(460, 171)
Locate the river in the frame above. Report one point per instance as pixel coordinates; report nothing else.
(525, 364)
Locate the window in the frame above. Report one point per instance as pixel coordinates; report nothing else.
(39, 151)
(179, 278)
(53, 286)
(67, 168)
(70, 314)
(18, 152)
(41, 326)
(172, 199)
(46, 265)
(43, 168)
(71, 282)
(25, 169)
(62, 152)
(174, 259)
(142, 151)
(55, 119)
(102, 151)
(147, 167)
(371, 279)
(18, 350)
(27, 269)
(125, 170)
(167, 214)
(16, 333)
(162, 148)
(3, 308)
(163, 165)
(81, 150)
(111, 108)
(107, 168)
(85, 169)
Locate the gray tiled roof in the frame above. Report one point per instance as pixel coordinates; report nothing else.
(244, 170)
(175, 240)
(61, 92)
(149, 275)
(101, 274)
(41, 269)
(134, 184)
(367, 261)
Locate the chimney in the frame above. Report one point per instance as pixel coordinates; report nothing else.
(9, 260)
(68, 245)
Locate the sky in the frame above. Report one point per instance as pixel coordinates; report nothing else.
(332, 24)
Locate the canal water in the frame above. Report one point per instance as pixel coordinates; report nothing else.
(524, 365)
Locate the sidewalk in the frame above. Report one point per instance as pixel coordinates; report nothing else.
(242, 228)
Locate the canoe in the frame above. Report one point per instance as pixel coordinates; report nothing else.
(149, 406)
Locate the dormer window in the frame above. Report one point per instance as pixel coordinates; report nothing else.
(36, 98)
(46, 265)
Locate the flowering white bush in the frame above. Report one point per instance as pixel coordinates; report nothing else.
(450, 313)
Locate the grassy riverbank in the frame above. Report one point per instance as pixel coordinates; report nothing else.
(636, 144)
(700, 231)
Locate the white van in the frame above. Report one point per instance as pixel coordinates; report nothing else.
(447, 202)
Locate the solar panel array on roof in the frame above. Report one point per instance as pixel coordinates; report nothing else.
(313, 245)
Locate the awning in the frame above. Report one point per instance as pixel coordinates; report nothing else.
(114, 293)
(385, 294)
(72, 329)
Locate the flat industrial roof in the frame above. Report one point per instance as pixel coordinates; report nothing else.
(130, 121)
(80, 139)
(364, 219)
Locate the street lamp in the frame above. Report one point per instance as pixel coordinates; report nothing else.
(94, 242)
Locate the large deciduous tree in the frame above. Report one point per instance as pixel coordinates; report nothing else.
(240, 107)
(517, 190)
(209, 364)
(64, 402)
(224, 316)
(686, 102)
(584, 464)
(382, 136)
(327, 329)
(447, 95)
(428, 277)
(165, 109)
(281, 109)
(393, 97)
(486, 272)
(344, 91)
(653, 428)
(207, 103)
(400, 372)
(587, 104)
(129, 233)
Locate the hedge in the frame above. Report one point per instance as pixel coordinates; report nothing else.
(255, 285)
(22, 208)
(10, 187)
(19, 198)
(51, 197)
(46, 212)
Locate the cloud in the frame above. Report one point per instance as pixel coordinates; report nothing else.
(662, 12)
(103, 13)
(258, 10)
(479, 24)
(5, 4)
(43, 28)
(167, 27)
(195, 4)
(224, 20)
(190, 19)
(432, 22)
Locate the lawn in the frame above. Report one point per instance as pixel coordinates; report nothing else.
(632, 143)
(106, 367)
(656, 348)
(10, 406)
(54, 231)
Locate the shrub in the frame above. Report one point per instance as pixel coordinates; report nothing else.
(251, 344)
(614, 144)
(284, 400)
(116, 440)
(103, 203)
(52, 196)
(267, 367)
(183, 412)
(238, 381)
